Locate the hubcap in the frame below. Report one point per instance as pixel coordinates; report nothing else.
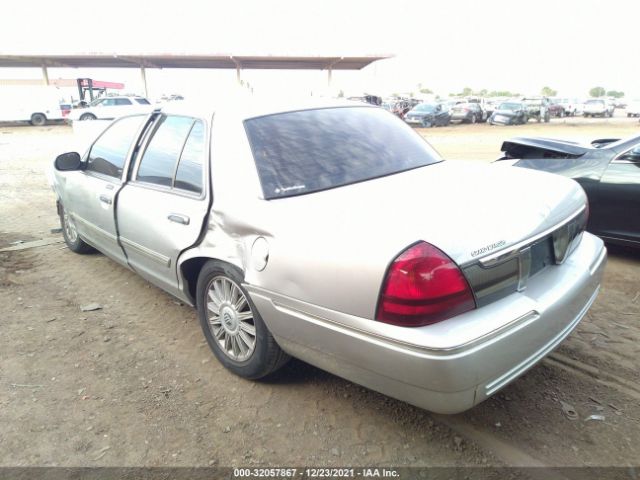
(70, 227)
(230, 319)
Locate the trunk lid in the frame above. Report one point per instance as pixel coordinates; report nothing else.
(466, 209)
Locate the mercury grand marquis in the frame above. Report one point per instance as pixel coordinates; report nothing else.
(333, 233)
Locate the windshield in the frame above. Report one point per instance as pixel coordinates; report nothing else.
(424, 107)
(312, 150)
(595, 102)
(510, 106)
(96, 102)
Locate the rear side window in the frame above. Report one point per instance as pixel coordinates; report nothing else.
(109, 152)
(189, 173)
(312, 150)
(142, 101)
(123, 101)
(159, 160)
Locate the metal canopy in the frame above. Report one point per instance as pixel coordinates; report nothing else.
(190, 61)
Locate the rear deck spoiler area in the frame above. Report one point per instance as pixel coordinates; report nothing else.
(523, 148)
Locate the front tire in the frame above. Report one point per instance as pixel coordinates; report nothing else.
(232, 325)
(70, 234)
(87, 116)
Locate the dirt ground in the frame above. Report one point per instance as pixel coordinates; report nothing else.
(134, 383)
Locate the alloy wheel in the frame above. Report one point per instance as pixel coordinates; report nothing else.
(230, 319)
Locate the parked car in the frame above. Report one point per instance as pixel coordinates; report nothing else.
(466, 113)
(319, 231)
(556, 109)
(608, 170)
(597, 107)
(510, 113)
(428, 115)
(108, 108)
(633, 108)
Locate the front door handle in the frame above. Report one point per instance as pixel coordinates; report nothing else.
(178, 218)
(106, 199)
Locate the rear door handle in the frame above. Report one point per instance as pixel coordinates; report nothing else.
(106, 199)
(178, 218)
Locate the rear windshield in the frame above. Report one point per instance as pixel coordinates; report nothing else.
(510, 106)
(424, 107)
(312, 150)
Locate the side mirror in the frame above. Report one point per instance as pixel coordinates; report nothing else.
(68, 161)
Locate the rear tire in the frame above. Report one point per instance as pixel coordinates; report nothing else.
(232, 325)
(71, 236)
(38, 119)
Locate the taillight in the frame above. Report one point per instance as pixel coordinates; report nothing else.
(423, 286)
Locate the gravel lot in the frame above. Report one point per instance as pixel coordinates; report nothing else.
(134, 383)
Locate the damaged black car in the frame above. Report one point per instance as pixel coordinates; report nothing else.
(509, 113)
(607, 169)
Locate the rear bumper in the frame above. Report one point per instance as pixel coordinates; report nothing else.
(455, 373)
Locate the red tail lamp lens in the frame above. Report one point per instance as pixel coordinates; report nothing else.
(423, 286)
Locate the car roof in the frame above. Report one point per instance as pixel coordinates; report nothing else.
(250, 107)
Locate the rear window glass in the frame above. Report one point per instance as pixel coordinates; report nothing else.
(312, 150)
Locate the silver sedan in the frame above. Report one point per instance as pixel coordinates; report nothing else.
(334, 233)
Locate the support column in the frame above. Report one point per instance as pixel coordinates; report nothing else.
(45, 76)
(143, 74)
(329, 70)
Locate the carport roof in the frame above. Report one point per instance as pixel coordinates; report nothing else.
(107, 60)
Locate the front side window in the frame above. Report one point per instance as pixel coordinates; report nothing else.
(189, 173)
(142, 101)
(312, 150)
(161, 155)
(109, 152)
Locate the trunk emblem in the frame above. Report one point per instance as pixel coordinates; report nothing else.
(488, 248)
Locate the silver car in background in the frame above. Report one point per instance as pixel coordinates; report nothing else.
(334, 233)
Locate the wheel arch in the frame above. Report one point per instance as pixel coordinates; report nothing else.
(189, 270)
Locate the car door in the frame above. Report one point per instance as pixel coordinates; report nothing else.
(90, 193)
(617, 201)
(162, 208)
